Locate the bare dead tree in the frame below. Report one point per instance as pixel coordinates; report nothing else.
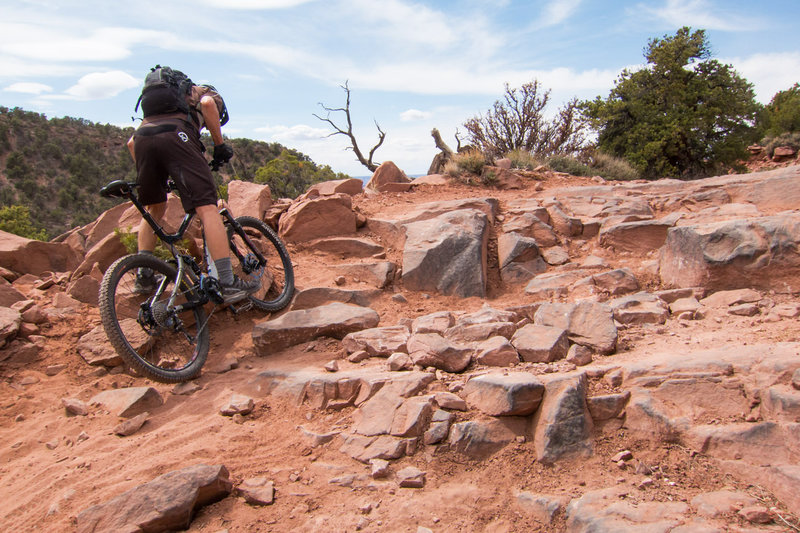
(445, 154)
(367, 162)
(518, 123)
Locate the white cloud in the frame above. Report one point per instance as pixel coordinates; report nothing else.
(298, 132)
(52, 43)
(255, 4)
(407, 22)
(769, 73)
(28, 88)
(412, 115)
(557, 11)
(698, 14)
(100, 85)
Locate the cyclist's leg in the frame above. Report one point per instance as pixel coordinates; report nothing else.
(146, 239)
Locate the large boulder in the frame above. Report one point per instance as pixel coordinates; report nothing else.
(248, 199)
(587, 323)
(638, 237)
(351, 186)
(762, 253)
(28, 256)
(386, 178)
(447, 254)
(314, 218)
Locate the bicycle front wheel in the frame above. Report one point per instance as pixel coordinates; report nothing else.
(276, 275)
(162, 342)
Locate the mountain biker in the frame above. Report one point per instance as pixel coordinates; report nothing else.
(167, 145)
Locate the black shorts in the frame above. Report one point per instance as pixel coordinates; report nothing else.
(172, 148)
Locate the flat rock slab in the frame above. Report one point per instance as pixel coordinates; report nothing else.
(332, 320)
(562, 426)
(128, 402)
(605, 511)
(166, 503)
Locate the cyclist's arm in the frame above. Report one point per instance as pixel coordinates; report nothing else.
(208, 107)
(130, 148)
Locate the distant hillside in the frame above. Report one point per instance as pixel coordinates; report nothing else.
(55, 167)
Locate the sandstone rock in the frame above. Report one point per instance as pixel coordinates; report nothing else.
(760, 253)
(10, 322)
(248, 199)
(132, 425)
(75, 407)
(447, 254)
(9, 295)
(579, 355)
(684, 305)
(640, 308)
(128, 402)
(780, 403)
(448, 400)
(534, 226)
(616, 282)
(411, 419)
(318, 296)
(721, 502)
(562, 425)
(380, 342)
(332, 320)
(365, 449)
(636, 237)
(437, 322)
(733, 297)
(375, 416)
(552, 285)
(431, 349)
(542, 344)
(105, 252)
(464, 334)
(555, 256)
(605, 510)
(379, 274)
(257, 491)
(84, 289)
(399, 361)
(541, 506)
(517, 394)
(238, 404)
(607, 406)
(496, 351)
(27, 256)
(318, 217)
(588, 324)
(748, 442)
(480, 439)
(351, 186)
(166, 503)
(430, 179)
(346, 247)
(564, 224)
(386, 174)
(411, 477)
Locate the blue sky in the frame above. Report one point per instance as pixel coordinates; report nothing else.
(410, 65)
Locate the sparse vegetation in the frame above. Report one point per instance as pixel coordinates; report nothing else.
(16, 219)
(785, 139)
(469, 162)
(782, 114)
(518, 123)
(523, 160)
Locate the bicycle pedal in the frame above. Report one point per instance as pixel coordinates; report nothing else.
(240, 307)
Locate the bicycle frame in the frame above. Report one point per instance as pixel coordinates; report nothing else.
(123, 189)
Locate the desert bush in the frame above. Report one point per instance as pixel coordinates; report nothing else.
(16, 219)
(612, 168)
(785, 139)
(469, 162)
(523, 159)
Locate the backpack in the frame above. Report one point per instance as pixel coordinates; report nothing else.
(165, 91)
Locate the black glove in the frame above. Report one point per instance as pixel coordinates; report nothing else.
(222, 153)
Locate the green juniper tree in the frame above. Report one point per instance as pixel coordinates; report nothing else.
(683, 115)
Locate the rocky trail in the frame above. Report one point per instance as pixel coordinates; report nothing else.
(553, 354)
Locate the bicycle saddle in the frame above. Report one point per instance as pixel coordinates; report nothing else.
(117, 189)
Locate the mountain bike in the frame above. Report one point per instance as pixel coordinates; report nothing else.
(164, 335)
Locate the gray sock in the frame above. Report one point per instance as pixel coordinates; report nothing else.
(224, 270)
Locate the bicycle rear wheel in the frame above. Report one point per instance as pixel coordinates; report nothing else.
(165, 344)
(276, 276)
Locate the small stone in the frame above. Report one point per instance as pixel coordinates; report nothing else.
(332, 366)
(756, 514)
(257, 491)
(19, 418)
(796, 379)
(380, 468)
(411, 477)
(399, 298)
(362, 523)
(75, 407)
(185, 388)
(358, 356)
(52, 370)
(29, 380)
(238, 404)
(340, 280)
(132, 425)
(579, 355)
(625, 455)
(646, 482)
(52, 445)
(399, 361)
(82, 436)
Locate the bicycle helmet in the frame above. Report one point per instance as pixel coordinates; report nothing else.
(223, 111)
